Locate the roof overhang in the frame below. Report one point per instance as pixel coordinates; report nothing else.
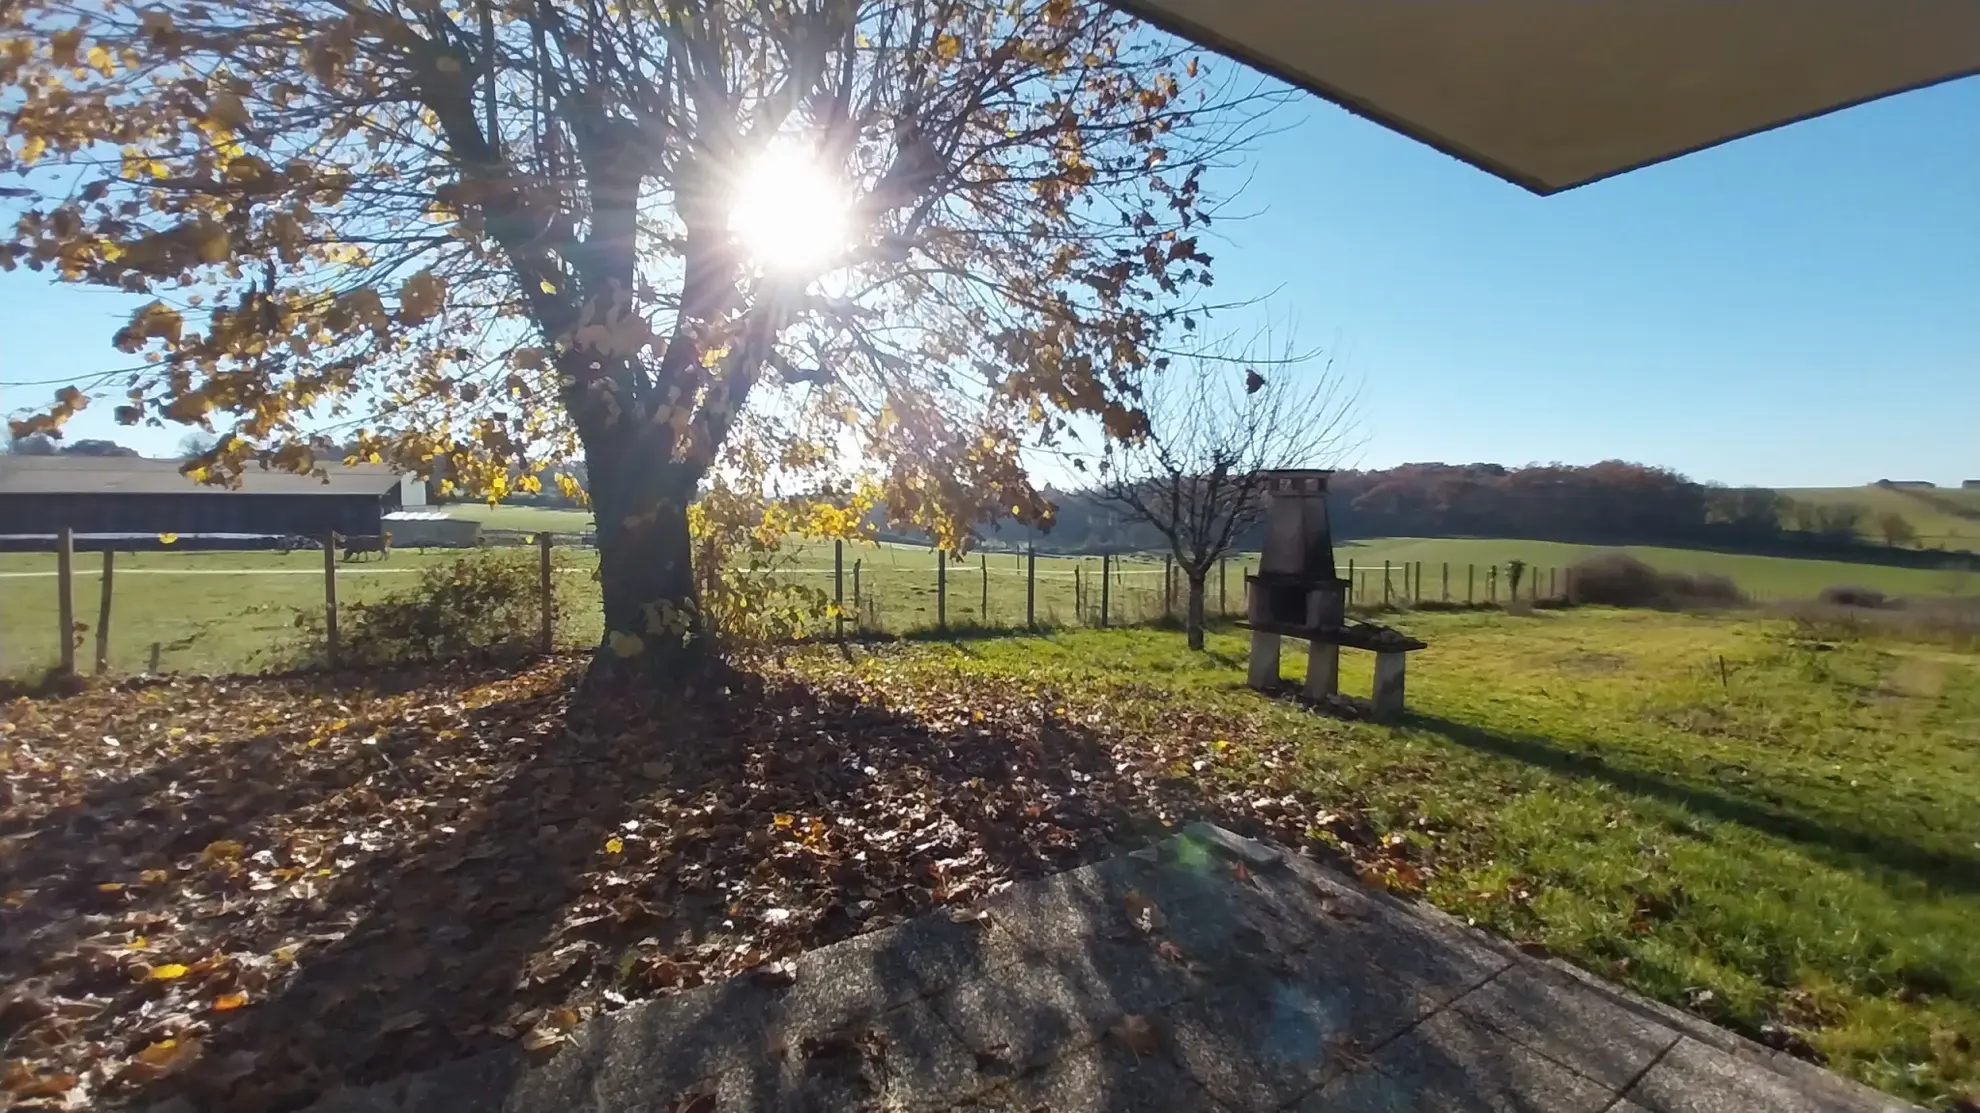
(1552, 94)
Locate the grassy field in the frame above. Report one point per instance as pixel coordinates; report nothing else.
(1944, 518)
(1765, 578)
(236, 611)
(1779, 835)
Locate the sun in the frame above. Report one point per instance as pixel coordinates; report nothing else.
(789, 214)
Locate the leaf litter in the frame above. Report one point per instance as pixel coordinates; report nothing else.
(248, 892)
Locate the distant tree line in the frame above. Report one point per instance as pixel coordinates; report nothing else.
(1610, 503)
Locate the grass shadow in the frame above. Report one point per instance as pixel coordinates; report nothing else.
(1851, 847)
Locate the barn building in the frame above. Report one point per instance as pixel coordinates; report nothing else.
(131, 503)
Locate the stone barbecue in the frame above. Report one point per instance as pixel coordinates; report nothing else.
(1296, 593)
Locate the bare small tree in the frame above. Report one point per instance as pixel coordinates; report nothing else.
(1897, 529)
(1215, 424)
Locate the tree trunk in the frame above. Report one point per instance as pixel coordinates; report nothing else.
(653, 627)
(1195, 620)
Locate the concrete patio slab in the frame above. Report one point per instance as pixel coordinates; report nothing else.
(1208, 972)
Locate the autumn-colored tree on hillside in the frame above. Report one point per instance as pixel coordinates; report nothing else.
(484, 236)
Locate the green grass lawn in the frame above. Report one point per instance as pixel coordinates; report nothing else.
(1762, 830)
(235, 611)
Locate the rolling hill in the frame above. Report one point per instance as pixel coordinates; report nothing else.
(1947, 518)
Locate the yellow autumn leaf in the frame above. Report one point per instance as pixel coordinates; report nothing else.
(615, 845)
(547, 286)
(221, 848)
(160, 1054)
(110, 887)
(101, 61)
(171, 971)
(626, 645)
(784, 820)
(167, 538)
(228, 1002)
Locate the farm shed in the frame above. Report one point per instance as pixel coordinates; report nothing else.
(1550, 95)
(128, 503)
(419, 529)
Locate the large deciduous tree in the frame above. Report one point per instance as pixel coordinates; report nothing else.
(1213, 426)
(481, 237)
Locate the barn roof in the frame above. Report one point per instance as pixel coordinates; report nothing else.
(1552, 94)
(130, 475)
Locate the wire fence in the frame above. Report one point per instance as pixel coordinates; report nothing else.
(118, 613)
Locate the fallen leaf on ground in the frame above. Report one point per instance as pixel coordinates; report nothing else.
(1142, 913)
(538, 1038)
(1136, 1033)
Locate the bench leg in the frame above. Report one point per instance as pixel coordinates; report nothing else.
(1388, 694)
(1264, 660)
(1323, 669)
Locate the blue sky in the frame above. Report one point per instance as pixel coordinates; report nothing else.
(1800, 308)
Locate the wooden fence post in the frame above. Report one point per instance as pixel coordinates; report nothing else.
(152, 668)
(1106, 582)
(546, 594)
(839, 588)
(1447, 581)
(1350, 587)
(983, 608)
(65, 597)
(1551, 573)
(330, 598)
(1385, 583)
(1079, 594)
(941, 590)
(1031, 586)
(859, 607)
(1418, 597)
(103, 613)
(1492, 583)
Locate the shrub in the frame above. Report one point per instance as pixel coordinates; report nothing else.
(1844, 595)
(487, 603)
(1619, 580)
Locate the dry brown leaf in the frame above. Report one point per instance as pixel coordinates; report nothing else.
(21, 1083)
(540, 1037)
(1143, 914)
(1137, 1033)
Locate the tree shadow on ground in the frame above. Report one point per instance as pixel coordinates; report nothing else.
(458, 873)
(1832, 837)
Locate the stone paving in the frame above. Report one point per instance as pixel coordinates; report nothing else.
(1208, 972)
